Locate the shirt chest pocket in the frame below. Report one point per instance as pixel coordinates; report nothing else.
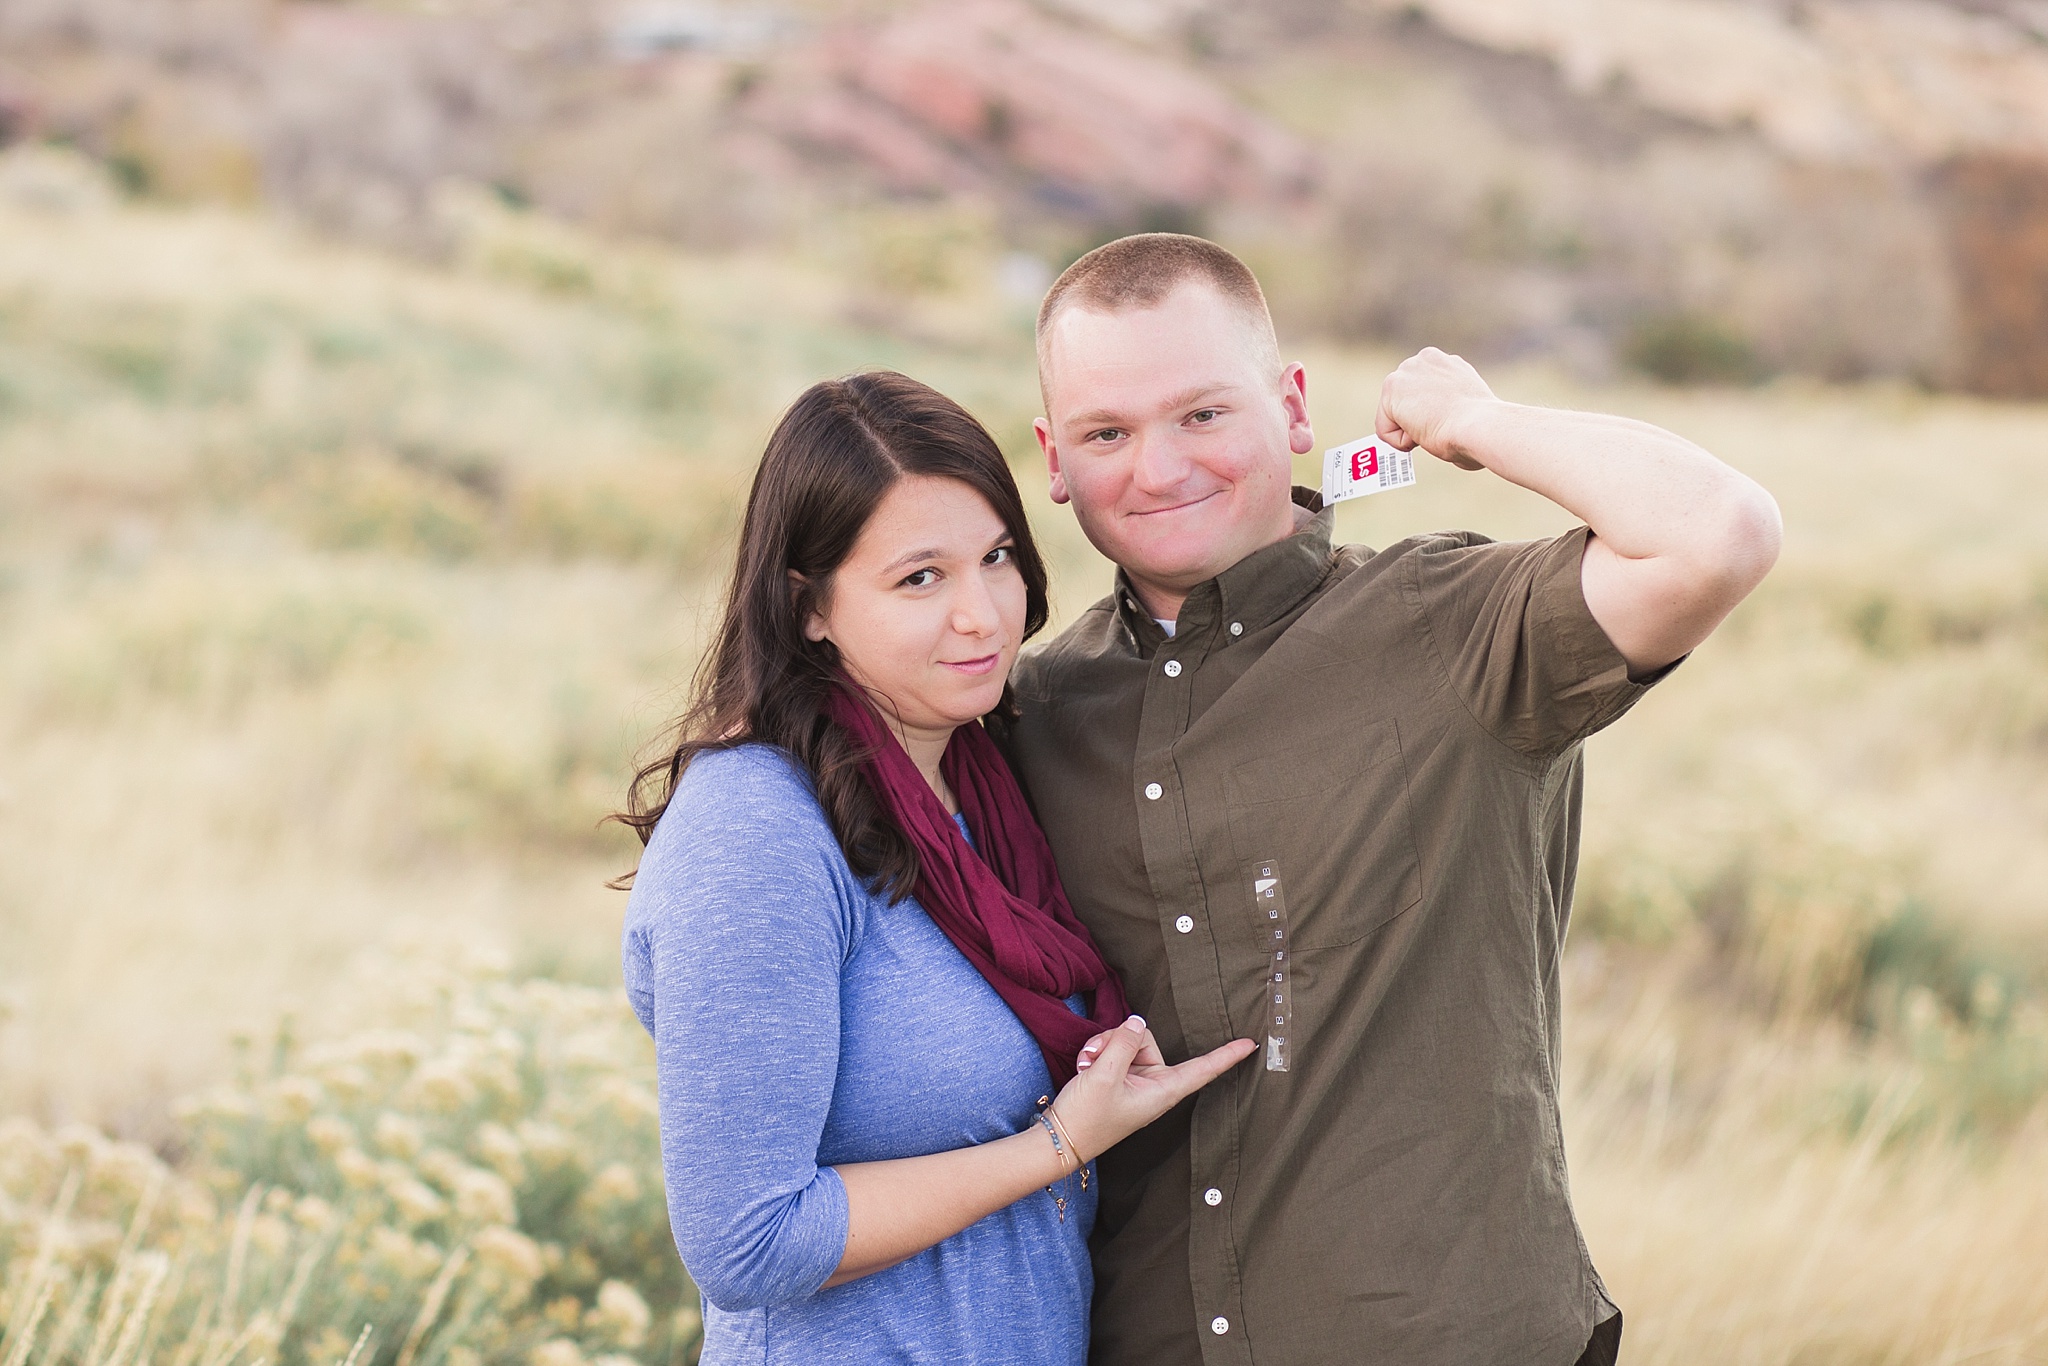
(1334, 814)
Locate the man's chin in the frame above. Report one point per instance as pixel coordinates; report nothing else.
(1179, 561)
(1173, 573)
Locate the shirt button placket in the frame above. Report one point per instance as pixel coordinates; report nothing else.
(1169, 863)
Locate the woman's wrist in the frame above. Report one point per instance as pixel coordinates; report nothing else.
(1081, 1159)
(1064, 1153)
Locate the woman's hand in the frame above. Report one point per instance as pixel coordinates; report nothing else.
(899, 1207)
(1148, 1051)
(1125, 1084)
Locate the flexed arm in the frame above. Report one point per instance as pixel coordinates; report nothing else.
(1678, 537)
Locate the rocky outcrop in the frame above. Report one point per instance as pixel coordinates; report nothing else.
(1842, 187)
(965, 95)
(1828, 80)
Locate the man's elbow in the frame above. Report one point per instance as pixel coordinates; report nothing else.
(1750, 537)
(1742, 543)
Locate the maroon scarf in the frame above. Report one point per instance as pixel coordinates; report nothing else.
(1003, 907)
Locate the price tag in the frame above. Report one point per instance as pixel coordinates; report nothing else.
(1363, 467)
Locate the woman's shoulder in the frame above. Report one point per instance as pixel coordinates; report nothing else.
(753, 771)
(746, 794)
(744, 840)
(744, 787)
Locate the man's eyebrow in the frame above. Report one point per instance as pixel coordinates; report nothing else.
(1102, 417)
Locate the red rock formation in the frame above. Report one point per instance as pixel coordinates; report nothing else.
(948, 95)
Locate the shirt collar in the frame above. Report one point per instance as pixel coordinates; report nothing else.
(1255, 592)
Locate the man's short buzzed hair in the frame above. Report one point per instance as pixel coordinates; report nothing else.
(1140, 271)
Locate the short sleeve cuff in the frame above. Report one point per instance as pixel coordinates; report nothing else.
(1598, 690)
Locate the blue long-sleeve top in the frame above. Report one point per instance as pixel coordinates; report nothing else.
(800, 1022)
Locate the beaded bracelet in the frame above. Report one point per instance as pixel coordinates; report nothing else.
(1062, 1146)
(1059, 1147)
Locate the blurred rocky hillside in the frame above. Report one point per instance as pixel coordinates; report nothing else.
(1706, 190)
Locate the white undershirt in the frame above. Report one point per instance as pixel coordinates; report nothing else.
(1166, 626)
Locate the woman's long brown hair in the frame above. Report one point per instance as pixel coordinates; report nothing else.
(841, 446)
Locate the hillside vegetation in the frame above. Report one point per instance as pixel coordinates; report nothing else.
(1701, 190)
(336, 594)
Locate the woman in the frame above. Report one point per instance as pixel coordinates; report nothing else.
(847, 935)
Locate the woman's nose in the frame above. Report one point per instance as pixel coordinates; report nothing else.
(974, 610)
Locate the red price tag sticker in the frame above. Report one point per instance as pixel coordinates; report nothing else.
(1362, 467)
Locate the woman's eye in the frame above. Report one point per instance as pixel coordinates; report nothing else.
(923, 578)
(1202, 415)
(1002, 554)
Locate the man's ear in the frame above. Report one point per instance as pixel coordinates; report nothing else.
(1301, 436)
(1051, 449)
(814, 624)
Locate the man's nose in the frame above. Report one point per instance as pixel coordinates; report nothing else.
(1157, 465)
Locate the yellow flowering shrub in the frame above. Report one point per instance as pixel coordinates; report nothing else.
(475, 1182)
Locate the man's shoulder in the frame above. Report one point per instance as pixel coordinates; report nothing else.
(1420, 543)
(1363, 569)
(1088, 637)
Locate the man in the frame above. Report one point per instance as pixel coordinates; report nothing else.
(1393, 737)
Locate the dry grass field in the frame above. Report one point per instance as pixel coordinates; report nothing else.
(336, 593)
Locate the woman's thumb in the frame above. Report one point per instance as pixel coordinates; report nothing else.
(1121, 1046)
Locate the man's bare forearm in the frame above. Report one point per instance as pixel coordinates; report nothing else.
(1645, 491)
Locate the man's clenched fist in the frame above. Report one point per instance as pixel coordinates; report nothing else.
(1426, 401)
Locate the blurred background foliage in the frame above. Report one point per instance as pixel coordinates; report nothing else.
(467, 1182)
(378, 386)
(1706, 190)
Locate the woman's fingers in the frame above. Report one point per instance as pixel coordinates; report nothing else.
(1148, 1052)
(1184, 1079)
(1120, 1048)
(1117, 1095)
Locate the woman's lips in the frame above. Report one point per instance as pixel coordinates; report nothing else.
(974, 666)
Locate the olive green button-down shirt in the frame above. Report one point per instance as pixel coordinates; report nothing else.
(1397, 732)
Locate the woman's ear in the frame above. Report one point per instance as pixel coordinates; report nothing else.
(814, 622)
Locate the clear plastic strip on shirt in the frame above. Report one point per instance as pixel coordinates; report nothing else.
(1270, 901)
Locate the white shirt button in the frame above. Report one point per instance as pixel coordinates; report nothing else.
(1153, 792)
(1185, 924)
(1219, 1325)
(1173, 668)
(1212, 1196)
(1237, 628)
